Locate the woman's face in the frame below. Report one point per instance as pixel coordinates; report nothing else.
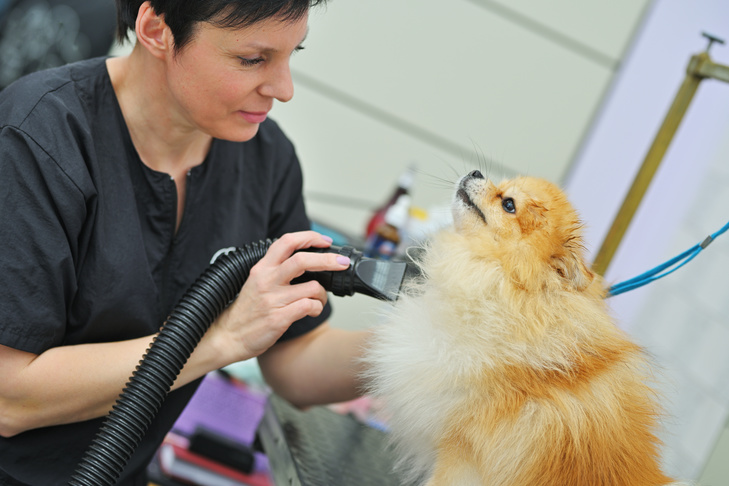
(224, 81)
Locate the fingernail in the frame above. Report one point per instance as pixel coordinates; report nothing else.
(328, 239)
(343, 260)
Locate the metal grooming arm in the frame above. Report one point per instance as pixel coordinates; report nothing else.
(700, 67)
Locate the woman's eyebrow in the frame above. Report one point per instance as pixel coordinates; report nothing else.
(267, 48)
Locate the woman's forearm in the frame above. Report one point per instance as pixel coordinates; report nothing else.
(75, 383)
(321, 367)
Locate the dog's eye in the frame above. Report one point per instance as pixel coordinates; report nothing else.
(508, 205)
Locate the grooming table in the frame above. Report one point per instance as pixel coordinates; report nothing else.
(320, 447)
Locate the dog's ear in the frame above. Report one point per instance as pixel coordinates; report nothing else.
(531, 216)
(570, 266)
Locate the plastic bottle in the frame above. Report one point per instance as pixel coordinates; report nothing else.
(386, 238)
(404, 183)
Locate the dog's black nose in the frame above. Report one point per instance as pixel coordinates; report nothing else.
(476, 174)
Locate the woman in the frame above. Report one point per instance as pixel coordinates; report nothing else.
(121, 178)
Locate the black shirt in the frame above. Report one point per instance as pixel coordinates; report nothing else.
(89, 251)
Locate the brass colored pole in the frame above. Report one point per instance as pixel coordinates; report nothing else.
(700, 66)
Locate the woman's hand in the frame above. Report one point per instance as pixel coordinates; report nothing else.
(267, 304)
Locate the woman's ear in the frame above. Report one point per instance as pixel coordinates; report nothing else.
(152, 31)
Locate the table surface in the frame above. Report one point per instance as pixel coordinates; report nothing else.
(320, 447)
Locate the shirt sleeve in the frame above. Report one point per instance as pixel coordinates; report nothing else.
(41, 210)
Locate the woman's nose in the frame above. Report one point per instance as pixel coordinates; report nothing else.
(279, 84)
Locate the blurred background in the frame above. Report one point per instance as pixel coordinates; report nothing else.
(570, 91)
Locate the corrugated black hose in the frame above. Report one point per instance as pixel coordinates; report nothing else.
(212, 292)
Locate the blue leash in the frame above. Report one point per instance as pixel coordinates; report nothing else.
(655, 273)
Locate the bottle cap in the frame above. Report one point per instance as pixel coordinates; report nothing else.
(397, 214)
(407, 178)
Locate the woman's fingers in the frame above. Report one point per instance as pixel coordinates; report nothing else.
(256, 321)
(284, 247)
(312, 291)
(290, 264)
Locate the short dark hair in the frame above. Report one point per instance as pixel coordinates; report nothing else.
(182, 15)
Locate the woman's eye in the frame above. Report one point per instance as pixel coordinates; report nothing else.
(250, 62)
(508, 205)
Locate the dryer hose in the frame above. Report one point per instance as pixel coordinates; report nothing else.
(207, 297)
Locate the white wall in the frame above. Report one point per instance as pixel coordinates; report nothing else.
(448, 85)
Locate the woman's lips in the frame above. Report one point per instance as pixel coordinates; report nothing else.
(254, 116)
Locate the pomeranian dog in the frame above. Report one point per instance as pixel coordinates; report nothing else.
(502, 366)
